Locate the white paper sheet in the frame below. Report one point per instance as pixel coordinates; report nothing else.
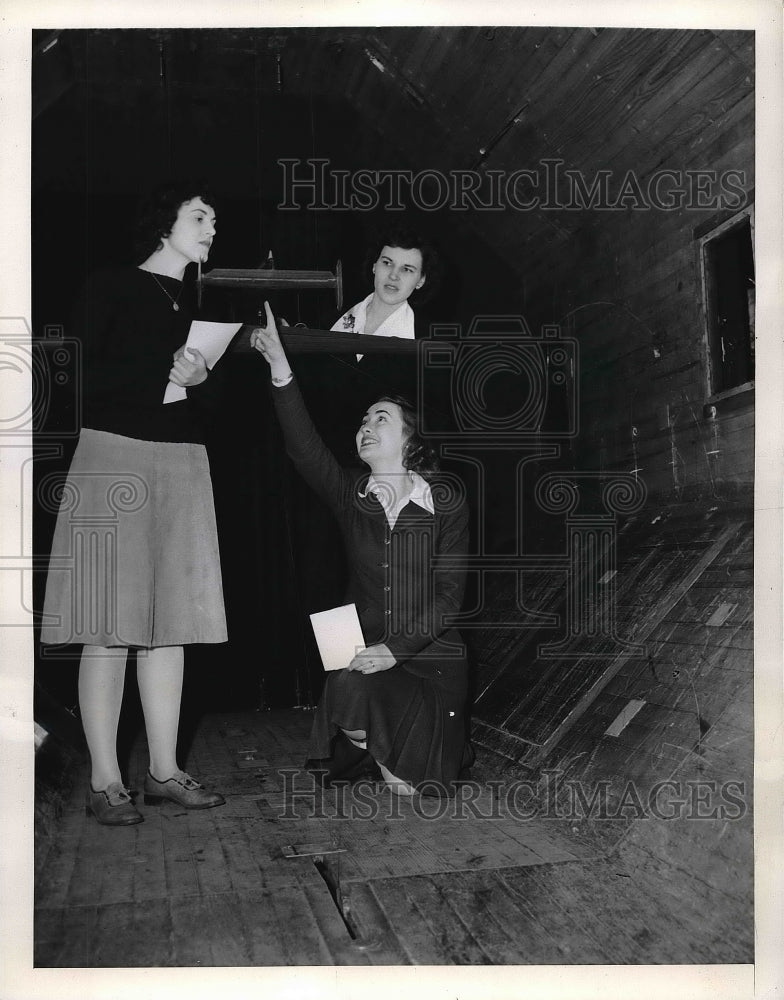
(211, 340)
(338, 636)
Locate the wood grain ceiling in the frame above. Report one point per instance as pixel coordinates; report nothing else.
(457, 98)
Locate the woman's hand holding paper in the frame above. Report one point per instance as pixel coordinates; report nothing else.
(373, 660)
(189, 367)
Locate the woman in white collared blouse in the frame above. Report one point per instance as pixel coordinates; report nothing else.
(401, 701)
(404, 266)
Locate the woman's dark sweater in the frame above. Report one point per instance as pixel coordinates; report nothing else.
(129, 332)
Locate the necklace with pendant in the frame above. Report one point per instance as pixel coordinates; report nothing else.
(175, 307)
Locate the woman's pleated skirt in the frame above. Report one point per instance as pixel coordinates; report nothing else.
(135, 558)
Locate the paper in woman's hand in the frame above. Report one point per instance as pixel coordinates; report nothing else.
(210, 340)
(338, 636)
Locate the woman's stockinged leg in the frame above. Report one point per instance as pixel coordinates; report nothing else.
(101, 683)
(357, 736)
(160, 674)
(397, 785)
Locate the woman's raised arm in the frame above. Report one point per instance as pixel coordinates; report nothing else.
(314, 461)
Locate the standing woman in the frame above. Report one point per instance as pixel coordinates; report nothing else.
(401, 701)
(140, 482)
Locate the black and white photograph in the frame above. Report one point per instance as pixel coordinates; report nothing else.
(392, 501)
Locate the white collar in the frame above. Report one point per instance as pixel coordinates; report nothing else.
(420, 494)
(400, 323)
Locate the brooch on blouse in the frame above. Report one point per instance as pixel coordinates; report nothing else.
(349, 321)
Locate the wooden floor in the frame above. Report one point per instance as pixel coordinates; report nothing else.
(283, 876)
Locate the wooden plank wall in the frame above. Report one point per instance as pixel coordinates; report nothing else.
(688, 700)
(631, 281)
(625, 282)
(629, 286)
(696, 729)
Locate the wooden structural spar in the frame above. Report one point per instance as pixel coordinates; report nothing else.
(302, 340)
(269, 279)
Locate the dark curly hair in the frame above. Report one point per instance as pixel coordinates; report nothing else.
(158, 213)
(418, 454)
(400, 234)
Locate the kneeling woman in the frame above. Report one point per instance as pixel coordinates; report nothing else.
(402, 699)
